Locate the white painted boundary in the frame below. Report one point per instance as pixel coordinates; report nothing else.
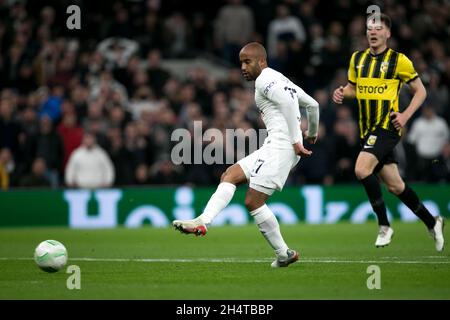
(238, 260)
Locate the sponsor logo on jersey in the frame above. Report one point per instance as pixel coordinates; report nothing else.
(372, 89)
(267, 88)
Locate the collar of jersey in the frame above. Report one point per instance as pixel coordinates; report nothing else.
(265, 69)
(378, 54)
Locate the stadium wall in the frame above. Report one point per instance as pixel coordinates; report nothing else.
(158, 206)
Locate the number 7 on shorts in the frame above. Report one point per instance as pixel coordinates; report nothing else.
(258, 165)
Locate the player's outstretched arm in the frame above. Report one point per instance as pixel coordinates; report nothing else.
(341, 93)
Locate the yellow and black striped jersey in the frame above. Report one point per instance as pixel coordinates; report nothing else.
(378, 80)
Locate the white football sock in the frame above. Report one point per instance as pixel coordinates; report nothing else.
(270, 229)
(218, 201)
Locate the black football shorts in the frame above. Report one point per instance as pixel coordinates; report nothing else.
(381, 144)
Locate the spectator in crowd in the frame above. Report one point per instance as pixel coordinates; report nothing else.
(117, 51)
(165, 172)
(234, 26)
(177, 31)
(47, 144)
(122, 158)
(118, 78)
(9, 128)
(6, 167)
(429, 133)
(121, 26)
(437, 95)
(29, 124)
(152, 35)
(157, 75)
(89, 166)
(141, 175)
(327, 111)
(318, 169)
(285, 28)
(107, 89)
(51, 107)
(36, 178)
(71, 134)
(346, 142)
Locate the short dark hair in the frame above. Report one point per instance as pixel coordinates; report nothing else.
(383, 18)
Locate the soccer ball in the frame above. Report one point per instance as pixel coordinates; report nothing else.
(50, 255)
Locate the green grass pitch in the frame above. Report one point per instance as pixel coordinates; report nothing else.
(229, 263)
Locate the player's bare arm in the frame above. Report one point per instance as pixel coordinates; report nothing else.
(399, 119)
(341, 93)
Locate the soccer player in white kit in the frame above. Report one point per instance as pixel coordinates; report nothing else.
(266, 169)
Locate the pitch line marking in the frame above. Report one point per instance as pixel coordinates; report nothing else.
(237, 260)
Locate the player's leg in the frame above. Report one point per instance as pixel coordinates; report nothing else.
(391, 177)
(232, 177)
(366, 166)
(364, 170)
(255, 201)
(376, 152)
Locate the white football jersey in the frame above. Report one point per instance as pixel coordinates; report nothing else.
(265, 85)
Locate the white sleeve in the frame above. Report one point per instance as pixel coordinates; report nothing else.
(284, 99)
(312, 110)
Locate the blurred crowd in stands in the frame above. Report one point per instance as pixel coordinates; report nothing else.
(95, 107)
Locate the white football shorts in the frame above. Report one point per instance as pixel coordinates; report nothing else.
(267, 168)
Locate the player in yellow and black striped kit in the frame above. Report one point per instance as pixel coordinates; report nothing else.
(375, 77)
(378, 79)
